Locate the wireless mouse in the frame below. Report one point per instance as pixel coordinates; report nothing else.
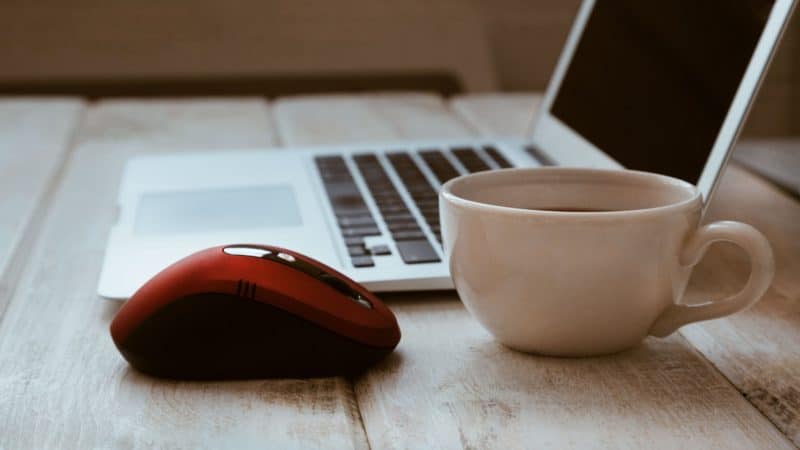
(252, 311)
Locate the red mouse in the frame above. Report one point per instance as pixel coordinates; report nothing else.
(252, 311)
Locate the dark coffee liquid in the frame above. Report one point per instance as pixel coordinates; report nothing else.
(583, 210)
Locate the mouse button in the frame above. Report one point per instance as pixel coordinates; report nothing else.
(286, 257)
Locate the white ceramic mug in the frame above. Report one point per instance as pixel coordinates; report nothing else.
(545, 278)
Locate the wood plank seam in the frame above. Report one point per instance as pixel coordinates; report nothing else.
(752, 348)
(18, 259)
(353, 406)
(354, 409)
(272, 121)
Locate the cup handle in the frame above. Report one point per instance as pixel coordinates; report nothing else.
(762, 269)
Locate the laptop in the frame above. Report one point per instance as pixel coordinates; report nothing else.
(656, 86)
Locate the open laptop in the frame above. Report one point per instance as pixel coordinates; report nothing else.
(655, 86)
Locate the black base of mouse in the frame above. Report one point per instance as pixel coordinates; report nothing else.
(223, 341)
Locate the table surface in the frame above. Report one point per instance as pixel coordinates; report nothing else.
(727, 383)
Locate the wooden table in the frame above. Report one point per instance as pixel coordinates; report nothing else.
(729, 383)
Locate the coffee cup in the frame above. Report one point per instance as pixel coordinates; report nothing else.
(577, 262)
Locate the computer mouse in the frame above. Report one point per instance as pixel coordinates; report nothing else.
(253, 311)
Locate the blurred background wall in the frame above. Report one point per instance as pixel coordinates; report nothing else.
(277, 47)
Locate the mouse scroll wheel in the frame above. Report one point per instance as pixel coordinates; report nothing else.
(345, 289)
(246, 251)
(286, 257)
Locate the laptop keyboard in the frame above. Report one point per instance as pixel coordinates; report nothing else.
(355, 220)
(352, 214)
(411, 241)
(498, 158)
(439, 165)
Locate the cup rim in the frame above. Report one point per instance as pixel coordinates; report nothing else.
(447, 194)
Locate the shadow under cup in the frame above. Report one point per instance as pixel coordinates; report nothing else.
(568, 261)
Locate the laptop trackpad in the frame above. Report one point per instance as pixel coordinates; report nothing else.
(219, 209)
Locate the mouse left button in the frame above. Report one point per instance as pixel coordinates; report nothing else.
(246, 251)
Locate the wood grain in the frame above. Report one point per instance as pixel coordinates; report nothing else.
(756, 349)
(480, 111)
(449, 385)
(35, 135)
(348, 119)
(174, 124)
(777, 159)
(62, 382)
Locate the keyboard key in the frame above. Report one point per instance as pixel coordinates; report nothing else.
(380, 250)
(498, 157)
(408, 235)
(344, 195)
(349, 221)
(470, 159)
(403, 226)
(361, 231)
(417, 251)
(431, 215)
(428, 202)
(439, 165)
(403, 217)
(356, 250)
(354, 240)
(362, 261)
(393, 208)
(350, 212)
(543, 158)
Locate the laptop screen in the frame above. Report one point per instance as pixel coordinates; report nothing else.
(650, 83)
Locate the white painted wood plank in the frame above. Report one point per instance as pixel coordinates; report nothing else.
(777, 159)
(192, 124)
(449, 385)
(62, 382)
(368, 118)
(756, 349)
(35, 134)
(498, 115)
